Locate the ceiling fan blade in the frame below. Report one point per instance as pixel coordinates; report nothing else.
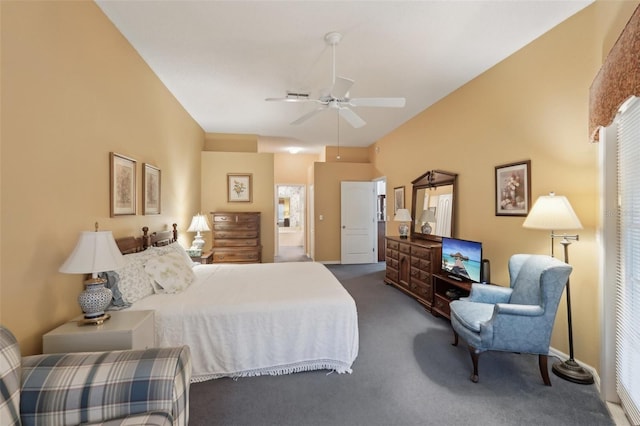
(308, 115)
(351, 117)
(378, 102)
(286, 100)
(341, 87)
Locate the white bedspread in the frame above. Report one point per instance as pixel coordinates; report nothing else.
(255, 319)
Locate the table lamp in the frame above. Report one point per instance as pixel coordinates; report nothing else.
(199, 224)
(96, 251)
(403, 215)
(426, 217)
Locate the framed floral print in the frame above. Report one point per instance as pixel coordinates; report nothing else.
(239, 187)
(398, 198)
(513, 189)
(122, 185)
(151, 189)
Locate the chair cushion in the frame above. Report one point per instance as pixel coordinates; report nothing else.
(471, 314)
(9, 378)
(526, 286)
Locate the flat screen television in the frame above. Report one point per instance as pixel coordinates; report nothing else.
(461, 259)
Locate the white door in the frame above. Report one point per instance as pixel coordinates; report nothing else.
(444, 215)
(358, 240)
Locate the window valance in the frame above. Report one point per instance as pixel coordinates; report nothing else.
(618, 78)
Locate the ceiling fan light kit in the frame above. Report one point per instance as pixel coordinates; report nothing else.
(338, 96)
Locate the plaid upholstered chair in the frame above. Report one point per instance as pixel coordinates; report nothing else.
(137, 387)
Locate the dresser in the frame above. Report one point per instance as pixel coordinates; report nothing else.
(410, 265)
(236, 237)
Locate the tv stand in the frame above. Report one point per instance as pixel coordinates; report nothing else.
(453, 277)
(443, 287)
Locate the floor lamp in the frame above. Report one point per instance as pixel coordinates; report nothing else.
(554, 212)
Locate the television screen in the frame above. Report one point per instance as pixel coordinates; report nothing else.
(461, 259)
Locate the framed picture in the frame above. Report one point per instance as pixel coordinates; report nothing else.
(513, 189)
(122, 185)
(239, 187)
(398, 198)
(151, 189)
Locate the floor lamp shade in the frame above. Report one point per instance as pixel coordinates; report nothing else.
(553, 213)
(94, 252)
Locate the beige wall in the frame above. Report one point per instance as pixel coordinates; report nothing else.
(216, 165)
(230, 142)
(293, 168)
(327, 178)
(73, 90)
(533, 105)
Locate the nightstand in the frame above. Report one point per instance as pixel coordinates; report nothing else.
(207, 257)
(125, 330)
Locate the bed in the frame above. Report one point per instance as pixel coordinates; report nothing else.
(239, 320)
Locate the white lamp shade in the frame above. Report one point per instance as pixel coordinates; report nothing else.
(402, 215)
(96, 251)
(427, 216)
(552, 212)
(199, 223)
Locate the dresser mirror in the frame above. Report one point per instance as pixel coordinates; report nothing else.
(432, 205)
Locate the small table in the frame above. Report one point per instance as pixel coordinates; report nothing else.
(206, 257)
(124, 330)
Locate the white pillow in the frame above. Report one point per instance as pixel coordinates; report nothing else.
(170, 273)
(174, 247)
(134, 283)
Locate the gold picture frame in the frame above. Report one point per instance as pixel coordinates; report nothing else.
(513, 189)
(122, 186)
(151, 189)
(239, 187)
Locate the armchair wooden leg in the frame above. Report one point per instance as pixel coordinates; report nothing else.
(544, 371)
(474, 359)
(455, 338)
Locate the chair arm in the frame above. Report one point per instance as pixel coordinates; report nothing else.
(486, 293)
(97, 387)
(521, 310)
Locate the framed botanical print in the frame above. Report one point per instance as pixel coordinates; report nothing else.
(513, 189)
(122, 185)
(151, 187)
(239, 187)
(398, 198)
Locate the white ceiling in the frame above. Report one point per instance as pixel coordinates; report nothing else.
(221, 59)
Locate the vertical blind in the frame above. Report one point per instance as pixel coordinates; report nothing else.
(628, 264)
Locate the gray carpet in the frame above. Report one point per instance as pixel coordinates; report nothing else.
(407, 373)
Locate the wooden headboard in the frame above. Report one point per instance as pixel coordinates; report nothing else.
(131, 244)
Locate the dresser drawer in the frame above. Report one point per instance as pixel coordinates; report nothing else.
(421, 252)
(441, 305)
(393, 254)
(392, 244)
(236, 256)
(235, 218)
(392, 274)
(239, 242)
(392, 263)
(404, 248)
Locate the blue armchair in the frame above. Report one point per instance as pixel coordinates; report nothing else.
(515, 319)
(136, 387)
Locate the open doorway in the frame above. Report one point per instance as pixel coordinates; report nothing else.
(291, 237)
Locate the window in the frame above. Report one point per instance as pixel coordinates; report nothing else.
(628, 259)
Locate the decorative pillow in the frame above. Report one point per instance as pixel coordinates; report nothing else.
(134, 283)
(170, 272)
(174, 247)
(112, 284)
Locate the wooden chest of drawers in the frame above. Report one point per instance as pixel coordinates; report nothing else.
(410, 265)
(236, 237)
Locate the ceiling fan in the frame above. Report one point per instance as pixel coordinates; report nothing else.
(337, 97)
